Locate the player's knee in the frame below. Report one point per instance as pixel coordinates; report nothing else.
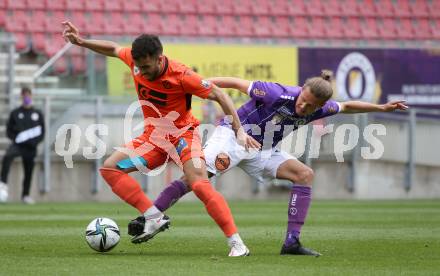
(109, 164)
(196, 175)
(305, 177)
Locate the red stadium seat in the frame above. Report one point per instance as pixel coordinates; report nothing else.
(317, 28)
(149, 6)
(208, 25)
(225, 7)
(152, 24)
(187, 6)
(170, 6)
(367, 8)
(261, 7)
(2, 4)
(37, 22)
(279, 7)
(405, 29)
(38, 42)
(79, 64)
(369, 29)
(36, 5)
(2, 18)
(335, 28)
(434, 10)
(114, 23)
(190, 25)
(282, 27)
(21, 42)
(435, 29)
(61, 66)
(76, 5)
(385, 8)
(332, 8)
(58, 5)
(300, 28)
(171, 24)
(243, 7)
(134, 24)
(352, 28)
(419, 8)
(315, 8)
(402, 8)
(387, 29)
(94, 5)
(95, 24)
(245, 26)
(208, 7)
(16, 21)
(422, 29)
(16, 5)
(349, 8)
(79, 20)
(54, 43)
(113, 5)
(228, 26)
(53, 22)
(297, 8)
(264, 26)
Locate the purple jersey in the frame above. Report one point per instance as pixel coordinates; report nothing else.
(272, 105)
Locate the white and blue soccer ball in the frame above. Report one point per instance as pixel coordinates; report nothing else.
(102, 234)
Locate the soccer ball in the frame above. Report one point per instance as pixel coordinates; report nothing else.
(102, 234)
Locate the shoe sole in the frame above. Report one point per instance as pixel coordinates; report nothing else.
(141, 239)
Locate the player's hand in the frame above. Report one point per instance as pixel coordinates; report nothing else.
(71, 33)
(395, 105)
(246, 140)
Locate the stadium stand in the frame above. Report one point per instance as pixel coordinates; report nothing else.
(35, 23)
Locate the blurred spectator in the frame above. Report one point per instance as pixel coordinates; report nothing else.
(25, 128)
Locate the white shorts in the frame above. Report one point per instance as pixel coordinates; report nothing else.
(222, 153)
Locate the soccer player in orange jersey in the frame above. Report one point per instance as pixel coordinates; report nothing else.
(165, 86)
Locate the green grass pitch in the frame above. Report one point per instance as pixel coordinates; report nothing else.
(355, 238)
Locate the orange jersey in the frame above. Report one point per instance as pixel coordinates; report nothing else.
(171, 91)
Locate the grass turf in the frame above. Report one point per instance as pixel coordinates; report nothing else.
(355, 237)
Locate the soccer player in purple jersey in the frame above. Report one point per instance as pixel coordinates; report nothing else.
(273, 111)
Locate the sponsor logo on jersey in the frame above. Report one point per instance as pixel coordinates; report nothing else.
(206, 83)
(136, 70)
(258, 92)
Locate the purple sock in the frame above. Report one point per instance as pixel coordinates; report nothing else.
(299, 203)
(170, 195)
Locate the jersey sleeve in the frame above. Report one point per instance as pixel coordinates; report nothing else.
(330, 108)
(125, 55)
(266, 92)
(194, 84)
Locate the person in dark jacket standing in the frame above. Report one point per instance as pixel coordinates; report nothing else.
(25, 128)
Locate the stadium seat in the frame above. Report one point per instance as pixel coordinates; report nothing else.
(170, 6)
(114, 23)
(78, 64)
(151, 25)
(419, 8)
(280, 7)
(422, 29)
(263, 27)
(57, 5)
(113, 5)
(16, 5)
(21, 42)
(349, 8)
(297, 9)
(245, 26)
(405, 29)
(224, 7)
(189, 25)
(402, 9)
(2, 18)
(387, 29)
(282, 27)
(243, 7)
(315, 8)
(334, 28)
(171, 24)
(38, 42)
(187, 6)
(369, 28)
(134, 23)
(208, 25)
(435, 29)
(37, 22)
(434, 10)
(261, 7)
(78, 18)
(228, 26)
(332, 8)
(76, 5)
(367, 8)
(16, 21)
(148, 6)
(2, 4)
(94, 5)
(53, 22)
(36, 5)
(300, 27)
(384, 8)
(54, 43)
(352, 28)
(95, 23)
(317, 27)
(60, 66)
(208, 7)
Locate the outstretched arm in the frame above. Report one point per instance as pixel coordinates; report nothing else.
(107, 48)
(362, 107)
(228, 108)
(234, 83)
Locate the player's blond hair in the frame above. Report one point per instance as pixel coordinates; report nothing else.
(321, 86)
